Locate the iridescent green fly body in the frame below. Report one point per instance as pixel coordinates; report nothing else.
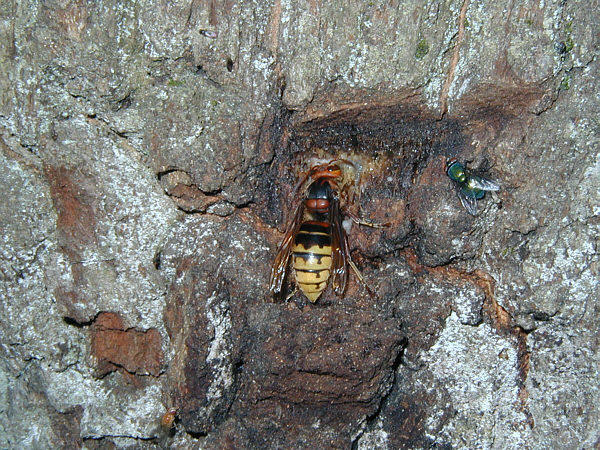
(470, 186)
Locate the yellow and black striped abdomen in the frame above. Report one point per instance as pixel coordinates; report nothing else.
(311, 256)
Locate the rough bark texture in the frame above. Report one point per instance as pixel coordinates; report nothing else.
(149, 153)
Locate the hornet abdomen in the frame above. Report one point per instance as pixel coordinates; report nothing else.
(311, 253)
(311, 257)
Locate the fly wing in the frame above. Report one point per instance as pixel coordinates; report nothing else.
(339, 249)
(280, 265)
(469, 202)
(483, 183)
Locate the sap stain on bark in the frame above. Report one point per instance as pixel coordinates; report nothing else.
(118, 347)
(334, 362)
(76, 217)
(76, 230)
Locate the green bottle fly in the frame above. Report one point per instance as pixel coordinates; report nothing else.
(470, 186)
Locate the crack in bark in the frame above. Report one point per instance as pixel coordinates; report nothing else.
(134, 373)
(273, 33)
(118, 436)
(501, 320)
(454, 61)
(370, 421)
(523, 358)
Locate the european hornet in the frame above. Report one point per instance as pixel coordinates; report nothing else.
(316, 240)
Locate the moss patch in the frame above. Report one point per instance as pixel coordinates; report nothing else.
(422, 49)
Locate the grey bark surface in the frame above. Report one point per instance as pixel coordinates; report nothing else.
(149, 152)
